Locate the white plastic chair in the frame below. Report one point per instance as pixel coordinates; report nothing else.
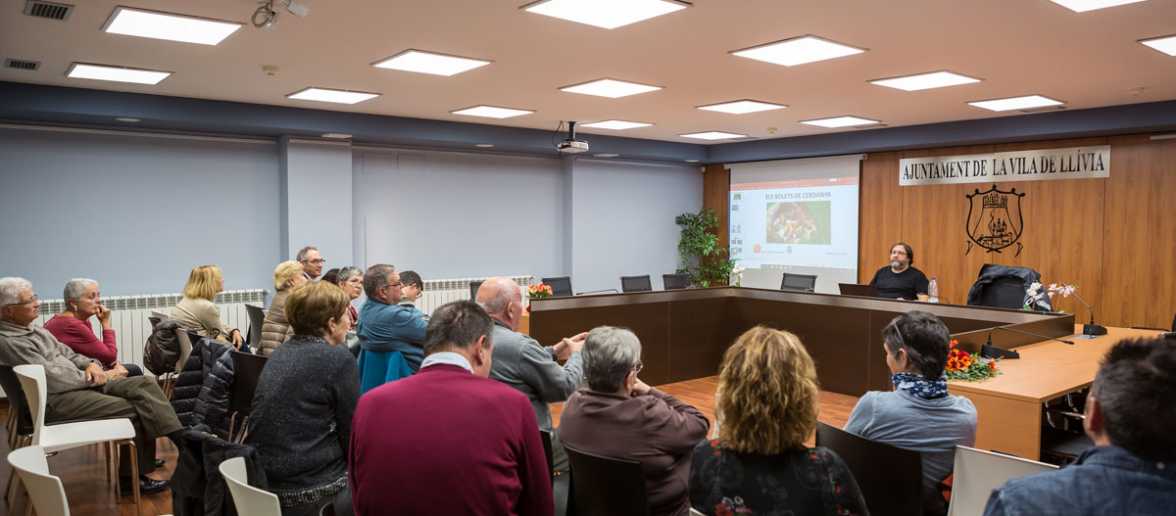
(977, 473)
(246, 498)
(45, 491)
(53, 438)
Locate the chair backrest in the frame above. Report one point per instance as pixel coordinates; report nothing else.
(474, 286)
(891, 479)
(185, 339)
(256, 320)
(978, 472)
(45, 490)
(246, 498)
(636, 284)
(603, 486)
(32, 380)
(560, 287)
(246, 371)
(675, 281)
(545, 436)
(16, 400)
(1007, 292)
(798, 282)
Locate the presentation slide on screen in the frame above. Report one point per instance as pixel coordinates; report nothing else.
(797, 216)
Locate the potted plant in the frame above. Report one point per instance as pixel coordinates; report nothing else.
(699, 254)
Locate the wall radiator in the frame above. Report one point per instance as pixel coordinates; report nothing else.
(439, 292)
(129, 316)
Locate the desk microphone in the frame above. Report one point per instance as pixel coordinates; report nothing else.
(1031, 334)
(990, 351)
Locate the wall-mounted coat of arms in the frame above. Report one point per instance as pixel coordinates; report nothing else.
(995, 221)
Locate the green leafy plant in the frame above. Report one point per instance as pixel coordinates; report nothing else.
(699, 254)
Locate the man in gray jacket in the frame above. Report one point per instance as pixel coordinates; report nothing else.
(78, 387)
(524, 364)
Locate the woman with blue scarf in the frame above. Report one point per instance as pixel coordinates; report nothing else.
(918, 414)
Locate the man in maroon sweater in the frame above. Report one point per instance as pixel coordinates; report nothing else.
(448, 440)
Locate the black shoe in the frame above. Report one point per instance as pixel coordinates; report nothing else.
(147, 485)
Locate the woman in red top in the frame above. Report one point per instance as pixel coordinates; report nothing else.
(72, 328)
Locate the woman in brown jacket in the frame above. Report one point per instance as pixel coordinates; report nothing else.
(276, 329)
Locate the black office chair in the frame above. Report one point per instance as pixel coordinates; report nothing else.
(246, 372)
(675, 281)
(636, 284)
(560, 287)
(256, 320)
(603, 486)
(1004, 286)
(891, 479)
(474, 286)
(798, 282)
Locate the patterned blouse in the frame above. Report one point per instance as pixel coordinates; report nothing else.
(802, 481)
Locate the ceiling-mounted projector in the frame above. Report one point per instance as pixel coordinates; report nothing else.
(571, 145)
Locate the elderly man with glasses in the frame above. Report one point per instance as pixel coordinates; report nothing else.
(391, 336)
(78, 387)
(312, 262)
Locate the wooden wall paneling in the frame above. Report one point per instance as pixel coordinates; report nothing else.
(716, 195)
(880, 212)
(1139, 244)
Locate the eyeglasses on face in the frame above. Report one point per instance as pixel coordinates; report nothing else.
(316, 261)
(31, 300)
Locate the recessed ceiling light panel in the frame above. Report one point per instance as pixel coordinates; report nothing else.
(616, 125)
(492, 112)
(1016, 103)
(335, 96)
(798, 51)
(172, 27)
(1165, 44)
(713, 135)
(115, 73)
(926, 81)
(1081, 6)
(431, 63)
(740, 107)
(840, 121)
(606, 14)
(610, 88)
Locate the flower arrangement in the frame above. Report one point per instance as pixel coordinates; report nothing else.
(965, 366)
(539, 291)
(1038, 293)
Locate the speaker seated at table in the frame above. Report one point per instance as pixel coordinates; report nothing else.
(798, 282)
(560, 286)
(636, 284)
(675, 281)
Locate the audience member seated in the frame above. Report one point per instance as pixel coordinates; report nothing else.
(1132, 468)
(72, 328)
(386, 328)
(196, 311)
(78, 388)
(312, 262)
(411, 288)
(276, 328)
(350, 279)
(306, 395)
(526, 365)
(918, 414)
(759, 464)
(331, 276)
(448, 440)
(620, 416)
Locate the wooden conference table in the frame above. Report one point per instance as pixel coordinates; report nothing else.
(685, 332)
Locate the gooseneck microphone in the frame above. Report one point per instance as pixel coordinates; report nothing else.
(990, 351)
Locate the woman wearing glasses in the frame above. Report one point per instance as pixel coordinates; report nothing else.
(620, 416)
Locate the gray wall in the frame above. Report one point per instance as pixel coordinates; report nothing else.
(135, 212)
(623, 220)
(317, 199)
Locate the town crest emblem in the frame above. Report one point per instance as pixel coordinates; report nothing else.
(995, 221)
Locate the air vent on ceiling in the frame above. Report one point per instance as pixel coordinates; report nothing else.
(51, 10)
(21, 64)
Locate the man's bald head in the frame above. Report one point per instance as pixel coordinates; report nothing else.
(499, 296)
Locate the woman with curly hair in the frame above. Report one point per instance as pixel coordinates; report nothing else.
(766, 407)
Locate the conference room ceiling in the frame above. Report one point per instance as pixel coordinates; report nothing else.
(1017, 47)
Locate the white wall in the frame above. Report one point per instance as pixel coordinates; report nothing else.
(623, 220)
(135, 212)
(317, 199)
(453, 215)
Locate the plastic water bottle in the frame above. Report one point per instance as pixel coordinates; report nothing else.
(933, 291)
